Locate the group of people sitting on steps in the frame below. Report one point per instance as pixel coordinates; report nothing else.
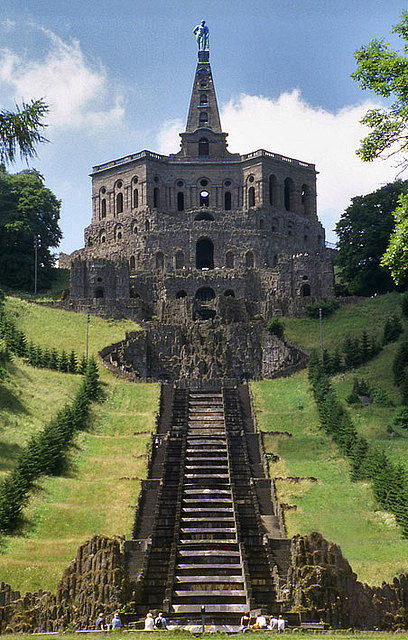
(102, 625)
(261, 622)
(155, 624)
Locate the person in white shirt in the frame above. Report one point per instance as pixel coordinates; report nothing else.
(149, 622)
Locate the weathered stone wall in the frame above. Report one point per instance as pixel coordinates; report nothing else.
(212, 349)
(93, 582)
(324, 588)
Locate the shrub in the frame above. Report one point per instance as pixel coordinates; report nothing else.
(327, 306)
(400, 418)
(275, 327)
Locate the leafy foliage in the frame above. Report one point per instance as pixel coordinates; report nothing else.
(327, 306)
(396, 255)
(28, 211)
(20, 130)
(364, 230)
(275, 327)
(384, 72)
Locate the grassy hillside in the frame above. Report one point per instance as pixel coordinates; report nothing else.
(100, 491)
(343, 511)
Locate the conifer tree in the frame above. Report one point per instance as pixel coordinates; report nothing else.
(63, 362)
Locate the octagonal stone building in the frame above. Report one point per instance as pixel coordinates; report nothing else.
(200, 224)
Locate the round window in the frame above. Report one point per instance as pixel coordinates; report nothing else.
(251, 178)
(203, 183)
(180, 183)
(156, 179)
(103, 190)
(228, 183)
(204, 194)
(119, 184)
(135, 179)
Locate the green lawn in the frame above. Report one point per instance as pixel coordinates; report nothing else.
(326, 499)
(100, 492)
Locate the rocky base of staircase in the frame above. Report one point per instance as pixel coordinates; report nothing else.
(322, 587)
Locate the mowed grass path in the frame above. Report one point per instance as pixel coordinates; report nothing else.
(100, 492)
(342, 511)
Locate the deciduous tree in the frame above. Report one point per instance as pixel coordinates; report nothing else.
(28, 211)
(364, 230)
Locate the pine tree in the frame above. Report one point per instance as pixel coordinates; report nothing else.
(63, 362)
(54, 359)
(82, 366)
(72, 363)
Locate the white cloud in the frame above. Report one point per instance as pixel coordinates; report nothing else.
(291, 127)
(76, 91)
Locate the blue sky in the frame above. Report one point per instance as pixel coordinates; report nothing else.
(117, 76)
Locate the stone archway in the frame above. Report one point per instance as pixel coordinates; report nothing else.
(205, 254)
(205, 294)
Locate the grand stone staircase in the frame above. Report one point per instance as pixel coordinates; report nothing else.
(209, 531)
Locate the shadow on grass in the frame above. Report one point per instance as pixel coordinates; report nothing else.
(9, 402)
(9, 453)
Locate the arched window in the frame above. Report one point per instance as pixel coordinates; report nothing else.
(181, 294)
(118, 232)
(229, 260)
(119, 203)
(156, 197)
(305, 290)
(180, 201)
(204, 198)
(275, 260)
(203, 148)
(135, 198)
(203, 117)
(204, 254)
(179, 260)
(147, 225)
(249, 259)
(134, 227)
(272, 190)
(132, 262)
(203, 98)
(159, 260)
(103, 239)
(102, 236)
(103, 208)
(205, 294)
(251, 197)
(227, 200)
(99, 293)
(228, 293)
(288, 194)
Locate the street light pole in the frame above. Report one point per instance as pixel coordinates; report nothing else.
(36, 242)
(87, 334)
(321, 332)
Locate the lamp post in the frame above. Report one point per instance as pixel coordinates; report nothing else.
(88, 317)
(36, 245)
(203, 618)
(321, 332)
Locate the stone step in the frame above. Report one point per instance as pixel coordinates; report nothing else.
(213, 554)
(206, 569)
(198, 580)
(211, 596)
(191, 609)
